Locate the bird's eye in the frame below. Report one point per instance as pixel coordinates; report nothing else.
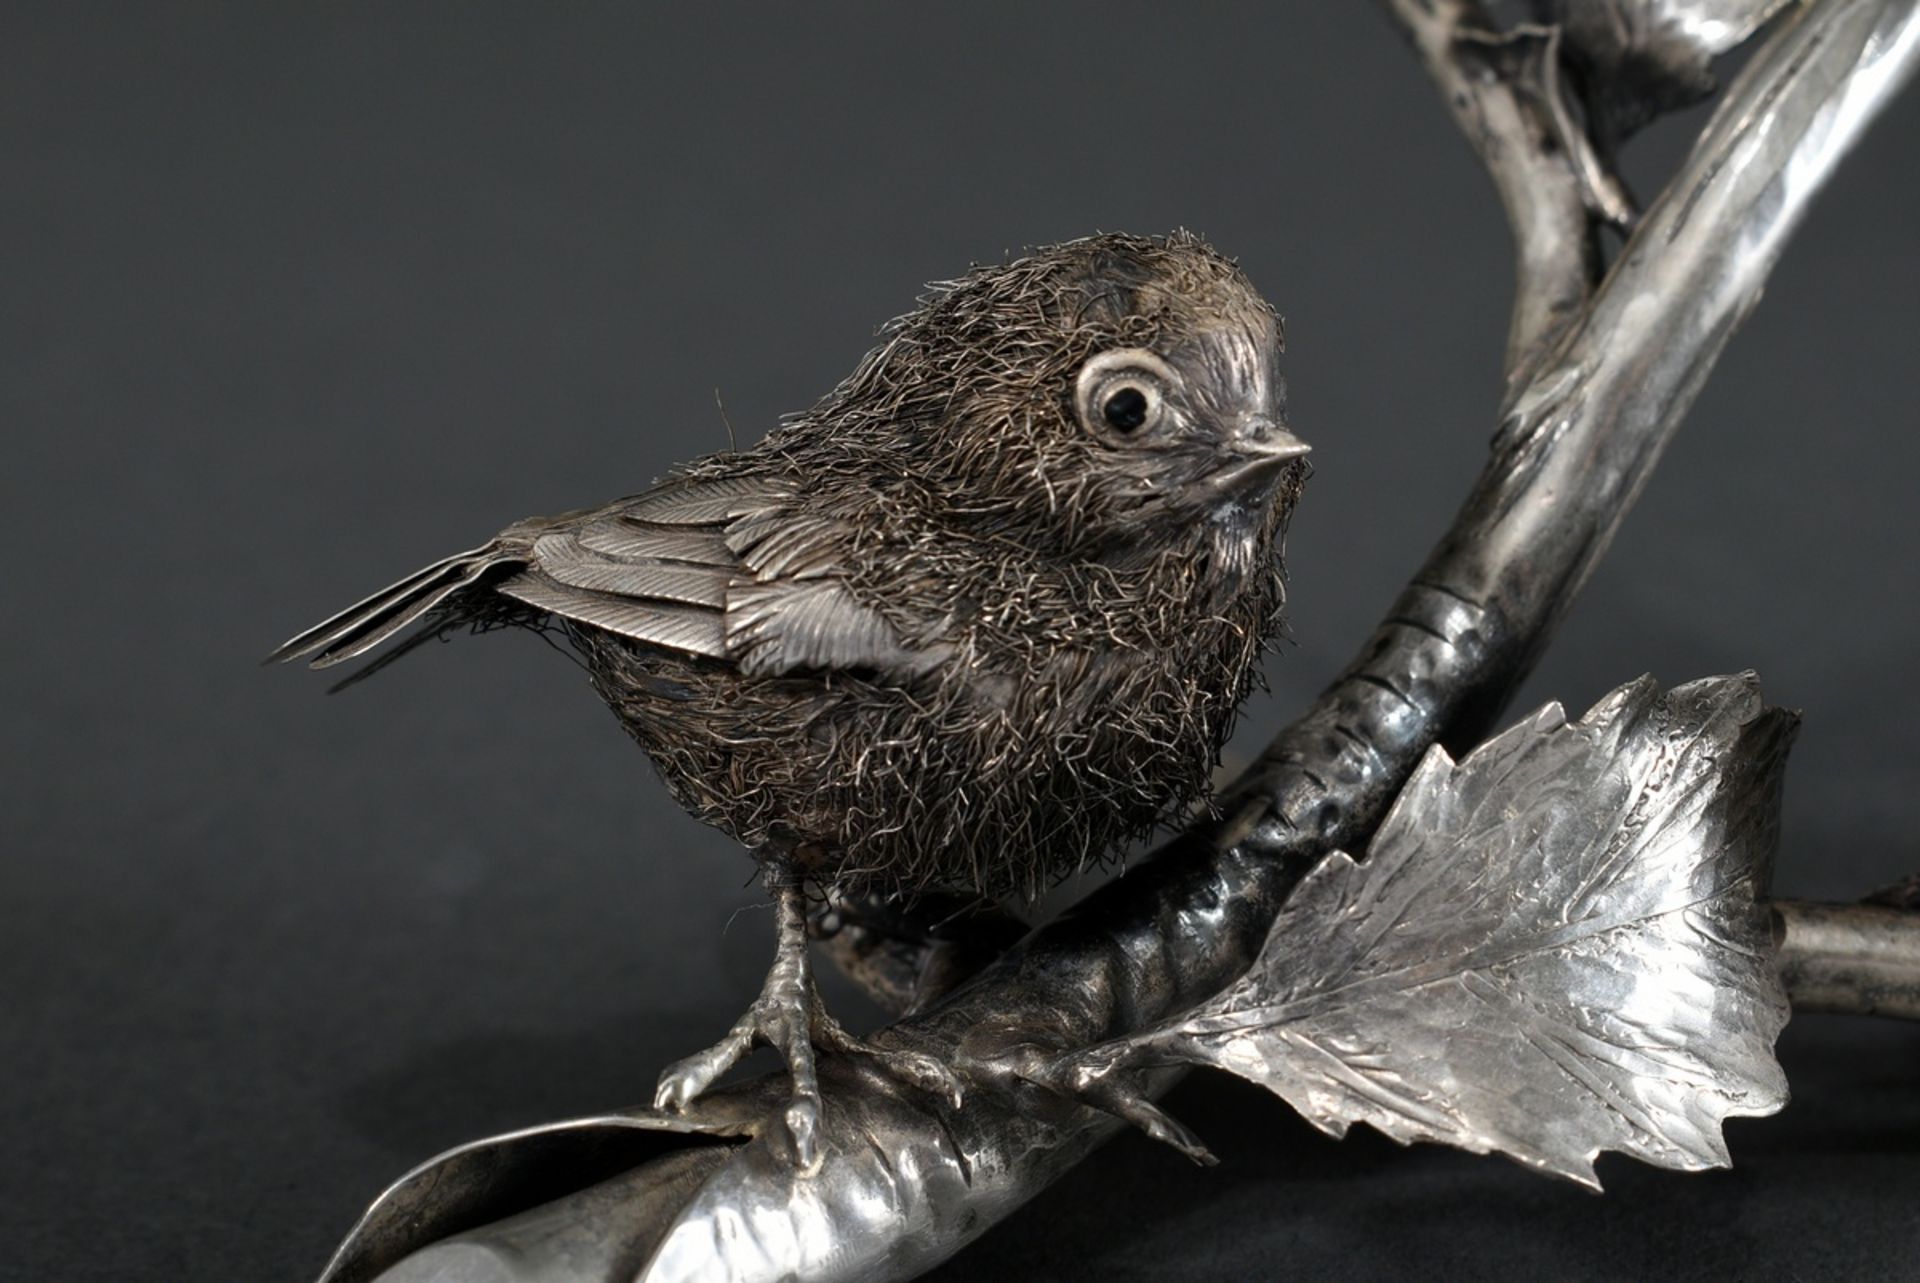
(1125, 409)
(1122, 395)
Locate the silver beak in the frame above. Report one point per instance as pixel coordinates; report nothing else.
(1257, 456)
(1276, 444)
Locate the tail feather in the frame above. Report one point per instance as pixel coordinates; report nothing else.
(367, 623)
(400, 650)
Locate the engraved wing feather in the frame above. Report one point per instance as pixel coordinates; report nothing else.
(728, 568)
(724, 568)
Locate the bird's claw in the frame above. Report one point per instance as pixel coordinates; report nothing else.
(916, 1069)
(922, 1072)
(1103, 1077)
(779, 1017)
(795, 1026)
(802, 1118)
(686, 1079)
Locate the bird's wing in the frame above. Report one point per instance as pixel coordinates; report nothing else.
(728, 568)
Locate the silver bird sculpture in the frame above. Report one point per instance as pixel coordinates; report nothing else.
(977, 619)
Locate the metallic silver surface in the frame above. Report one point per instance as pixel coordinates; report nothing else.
(1556, 947)
(790, 1017)
(1600, 377)
(487, 1183)
(945, 629)
(1863, 959)
(1503, 90)
(591, 1200)
(942, 630)
(782, 1017)
(1631, 61)
(908, 956)
(1708, 26)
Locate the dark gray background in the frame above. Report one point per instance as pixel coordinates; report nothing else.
(294, 301)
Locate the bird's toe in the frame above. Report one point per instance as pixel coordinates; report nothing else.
(802, 1118)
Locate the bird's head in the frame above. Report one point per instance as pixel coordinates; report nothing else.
(1100, 396)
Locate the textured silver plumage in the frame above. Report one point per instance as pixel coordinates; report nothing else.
(564, 559)
(945, 628)
(376, 618)
(621, 534)
(957, 626)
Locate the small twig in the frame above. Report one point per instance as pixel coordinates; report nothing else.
(1858, 959)
(1504, 91)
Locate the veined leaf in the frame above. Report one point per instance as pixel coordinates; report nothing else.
(1555, 947)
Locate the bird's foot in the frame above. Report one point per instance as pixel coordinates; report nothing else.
(790, 1017)
(916, 1069)
(1107, 1077)
(781, 1017)
(798, 1026)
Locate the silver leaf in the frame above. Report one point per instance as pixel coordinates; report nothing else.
(1641, 58)
(1700, 28)
(1555, 947)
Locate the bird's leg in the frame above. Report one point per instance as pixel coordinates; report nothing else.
(907, 955)
(781, 1016)
(789, 1016)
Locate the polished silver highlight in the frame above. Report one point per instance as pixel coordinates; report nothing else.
(1555, 947)
(1599, 377)
(1664, 33)
(1633, 60)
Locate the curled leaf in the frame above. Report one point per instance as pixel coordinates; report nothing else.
(1555, 947)
(710, 1193)
(1638, 59)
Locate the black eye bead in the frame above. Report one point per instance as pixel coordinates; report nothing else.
(1125, 410)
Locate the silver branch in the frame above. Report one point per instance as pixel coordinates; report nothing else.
(1600, 374)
